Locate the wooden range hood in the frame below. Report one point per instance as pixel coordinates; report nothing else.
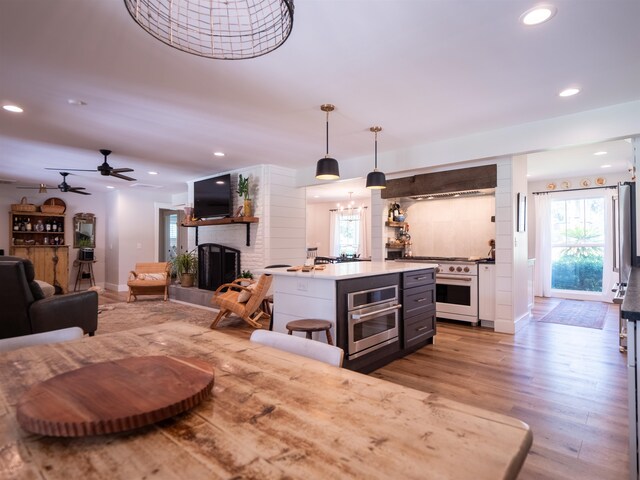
(464, 179)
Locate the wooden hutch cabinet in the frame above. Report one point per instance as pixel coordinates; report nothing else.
(40, 237)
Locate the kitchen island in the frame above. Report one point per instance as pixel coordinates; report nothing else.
(271, 414)
(379, 311)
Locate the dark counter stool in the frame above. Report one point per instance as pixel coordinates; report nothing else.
(309, 326)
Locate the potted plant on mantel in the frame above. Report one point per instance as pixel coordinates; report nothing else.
(243, 191)
(186, 266)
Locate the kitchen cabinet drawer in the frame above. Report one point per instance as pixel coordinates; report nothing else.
(419, 328)
(418, 299)
(419, 277)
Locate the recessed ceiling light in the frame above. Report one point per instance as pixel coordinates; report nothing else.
(152, 173)
(219, 154)
(605, 166)
(569, 92)
(601, 152)
(538, 15)
(110, 186)
(76, 102)
(12, 108)
(316, 196)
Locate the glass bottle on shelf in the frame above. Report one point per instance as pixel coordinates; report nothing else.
(39, 226)
(48, 225)
(28, 224)
(54, 226)
(16, 224)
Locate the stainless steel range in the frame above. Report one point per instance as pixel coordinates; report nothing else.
(456, 287)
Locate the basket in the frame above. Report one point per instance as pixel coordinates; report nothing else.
(54, 206)
(23, 206)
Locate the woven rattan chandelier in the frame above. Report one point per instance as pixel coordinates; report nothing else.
(221, 29)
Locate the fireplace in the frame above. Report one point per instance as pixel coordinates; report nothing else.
(217, 264)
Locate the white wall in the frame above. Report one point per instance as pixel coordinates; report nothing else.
(132, 212)
(512, 313)
(452, 227)
(318, 226)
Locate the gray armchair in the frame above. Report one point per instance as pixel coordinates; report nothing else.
(25, 310)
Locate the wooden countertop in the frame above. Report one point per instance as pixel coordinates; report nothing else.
(272, 415)
(346, 270)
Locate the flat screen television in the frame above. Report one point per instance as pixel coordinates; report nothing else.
(212, 197)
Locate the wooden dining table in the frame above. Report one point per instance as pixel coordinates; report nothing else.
(271, 414)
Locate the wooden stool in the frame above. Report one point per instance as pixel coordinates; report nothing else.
(309, 326)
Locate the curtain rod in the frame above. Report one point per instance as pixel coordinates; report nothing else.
(574, 189)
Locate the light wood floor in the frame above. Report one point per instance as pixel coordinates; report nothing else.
(568, 383)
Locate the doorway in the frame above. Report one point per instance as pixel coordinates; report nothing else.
(574, 238)
(169, 234)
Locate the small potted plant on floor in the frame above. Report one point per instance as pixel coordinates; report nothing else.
(243, 191)
(186, 267)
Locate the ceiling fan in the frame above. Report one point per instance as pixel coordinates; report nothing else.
(105, 169)
(65, 187)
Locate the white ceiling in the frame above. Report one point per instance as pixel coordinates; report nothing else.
(423, 70)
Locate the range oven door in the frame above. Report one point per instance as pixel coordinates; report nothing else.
(457, 297)
(372, 327)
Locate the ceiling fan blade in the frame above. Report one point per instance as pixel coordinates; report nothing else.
(123, 177)
(121, 170)
(78, 190)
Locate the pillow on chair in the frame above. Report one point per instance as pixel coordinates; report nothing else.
(151, 276)
(36, 290)
(246, 295)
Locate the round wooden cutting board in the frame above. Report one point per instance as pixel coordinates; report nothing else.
(115, 396)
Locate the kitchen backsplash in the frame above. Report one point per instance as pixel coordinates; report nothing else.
(454, 227)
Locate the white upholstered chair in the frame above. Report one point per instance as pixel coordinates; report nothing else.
(53, 336)
(300, 346)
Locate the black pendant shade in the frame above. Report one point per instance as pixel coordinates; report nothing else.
(376, 179)
(327, 167)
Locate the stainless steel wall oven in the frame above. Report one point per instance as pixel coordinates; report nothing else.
(373, 319)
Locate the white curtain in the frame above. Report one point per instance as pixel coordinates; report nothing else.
(542, 276)
(363, 235)
(334, 233)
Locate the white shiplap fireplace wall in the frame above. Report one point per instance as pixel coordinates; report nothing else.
(279, 236)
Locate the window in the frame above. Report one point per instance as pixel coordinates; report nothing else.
(349, 232)
(577, 244)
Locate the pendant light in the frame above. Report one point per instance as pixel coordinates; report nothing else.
(376, 180)
(220, 29)
(327, 167)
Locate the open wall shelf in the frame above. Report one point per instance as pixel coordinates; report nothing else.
(223, 221)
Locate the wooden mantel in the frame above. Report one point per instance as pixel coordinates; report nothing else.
(222, 221)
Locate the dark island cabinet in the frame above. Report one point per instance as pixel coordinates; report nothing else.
(419, 308)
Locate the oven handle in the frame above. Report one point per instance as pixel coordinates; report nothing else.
(364, 316)
(453, 277)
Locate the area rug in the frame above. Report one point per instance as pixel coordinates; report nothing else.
(578, 313)
(116, 317)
